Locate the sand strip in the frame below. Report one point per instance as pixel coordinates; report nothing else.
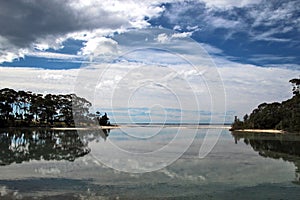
(260, 131)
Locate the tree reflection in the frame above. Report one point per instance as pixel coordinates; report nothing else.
(17, 146)
(94, 135)
(276, 146)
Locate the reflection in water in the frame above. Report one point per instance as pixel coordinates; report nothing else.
(93, 135)
(228, 172)
(276, 146)
(17, 146)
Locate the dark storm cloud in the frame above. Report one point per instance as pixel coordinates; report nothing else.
(24, 21)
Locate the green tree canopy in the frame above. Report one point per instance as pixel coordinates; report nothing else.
(24, 108)
(283, 116)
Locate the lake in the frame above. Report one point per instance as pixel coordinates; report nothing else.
(148, 162)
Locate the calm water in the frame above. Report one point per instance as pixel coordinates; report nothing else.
(44, 164)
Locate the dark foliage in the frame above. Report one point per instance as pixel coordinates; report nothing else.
(103, 120)
(27, 109)
(281, 116)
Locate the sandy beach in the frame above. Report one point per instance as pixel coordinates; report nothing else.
(260, 131)
(84, 128)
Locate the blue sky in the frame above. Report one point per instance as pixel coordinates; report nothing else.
(252, 46)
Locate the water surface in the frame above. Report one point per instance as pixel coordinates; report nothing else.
(51, 164)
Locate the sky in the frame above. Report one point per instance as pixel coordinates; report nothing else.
(161, 61)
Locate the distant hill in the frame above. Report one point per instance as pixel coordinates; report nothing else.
(282, 116)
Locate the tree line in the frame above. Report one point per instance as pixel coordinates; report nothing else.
(28, 109)
(281, 116)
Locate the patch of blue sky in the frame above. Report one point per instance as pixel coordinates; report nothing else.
(233, 31)
(43, 63)
(70, 46)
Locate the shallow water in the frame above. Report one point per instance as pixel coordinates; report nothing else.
(44, 164)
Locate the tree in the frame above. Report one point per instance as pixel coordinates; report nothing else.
(246, 117)
(104, 120)
(7, 98)
(283, 116)
(65, 109)
(296, 85)
(29, 109)
(36, 105)
(80, 108)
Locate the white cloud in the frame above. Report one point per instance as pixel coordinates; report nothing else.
(229, 3)
(51, 76)
(211, 49)
(247, 86)
(221, 23)
(177, 28)
(182, 35)
(48, 42)
(38, 80)
(269, 14)
(192, 28)
(51, 55)
(91, 19)
(163, 38)
(269, 35)
(276, 18)
(100, 47)
(261, 20)
(285, 66)
(101, 18)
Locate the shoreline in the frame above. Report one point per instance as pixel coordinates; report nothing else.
(125, 126)
(84, 128)
(64, 128)
(260, 131)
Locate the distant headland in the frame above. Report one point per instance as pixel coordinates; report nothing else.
(274, 117)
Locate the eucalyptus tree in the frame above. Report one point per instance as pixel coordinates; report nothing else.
(21, 108)
(36, 105)
(7, 99)
(80, 108)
